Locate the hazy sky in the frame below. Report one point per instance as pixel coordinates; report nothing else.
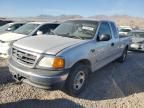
(12, 8)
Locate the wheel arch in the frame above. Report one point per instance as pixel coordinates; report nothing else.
(84, 62)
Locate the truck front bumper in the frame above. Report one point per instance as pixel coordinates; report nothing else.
(40, 78)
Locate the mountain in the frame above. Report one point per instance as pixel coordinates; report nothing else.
(46, 18)
(123, 20)
(119, 19)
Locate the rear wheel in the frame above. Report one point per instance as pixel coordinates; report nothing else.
(77, 79)
(124, 55)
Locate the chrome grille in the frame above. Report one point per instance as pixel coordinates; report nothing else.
(23, 57)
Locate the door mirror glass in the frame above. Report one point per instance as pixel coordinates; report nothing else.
(104, 37)
(9, 29)
(39, 33)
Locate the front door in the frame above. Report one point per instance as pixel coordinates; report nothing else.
(103, 49)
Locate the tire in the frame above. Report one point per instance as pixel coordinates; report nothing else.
(124, 55)
(77, 80)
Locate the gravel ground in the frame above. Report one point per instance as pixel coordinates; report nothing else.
(114, 86)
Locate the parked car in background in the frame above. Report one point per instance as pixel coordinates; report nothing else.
(10, 27)
(66, 58)
(137, 37)
(29, 29)
(124, 30)
(3, 22)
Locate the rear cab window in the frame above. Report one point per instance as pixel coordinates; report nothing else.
(114, 30)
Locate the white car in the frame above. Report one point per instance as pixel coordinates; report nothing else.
(124, 30)
(10, 27)
(29, 29)
(137, 37)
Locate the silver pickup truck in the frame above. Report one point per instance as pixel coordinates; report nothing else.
(65, 58)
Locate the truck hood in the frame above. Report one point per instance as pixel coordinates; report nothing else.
(2, 32)
(47, 44)
(10, 36)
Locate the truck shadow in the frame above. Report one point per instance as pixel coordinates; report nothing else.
(35, 103)
(5, 76)
(117, 80)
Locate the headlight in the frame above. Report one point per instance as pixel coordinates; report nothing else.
(51, 62)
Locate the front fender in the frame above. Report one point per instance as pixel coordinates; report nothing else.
(77, 53)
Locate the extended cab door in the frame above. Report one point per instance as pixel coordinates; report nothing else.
(116, 40)
(103, 49)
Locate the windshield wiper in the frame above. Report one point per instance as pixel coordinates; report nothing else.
(69, 36)
(64, 35)
(73, 36)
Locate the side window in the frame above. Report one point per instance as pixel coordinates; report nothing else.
(45, 29)
(115, 30)
(53, 26)
(104, 29)
(14, 27)
(18, 25)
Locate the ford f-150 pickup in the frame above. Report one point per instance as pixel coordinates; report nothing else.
(65, 58)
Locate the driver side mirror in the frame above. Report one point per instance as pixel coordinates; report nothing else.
(39, 33)
(104, 37)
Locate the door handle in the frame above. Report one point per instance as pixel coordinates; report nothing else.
(92, 50)
(112, 44)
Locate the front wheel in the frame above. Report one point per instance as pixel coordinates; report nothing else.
(123, 57)
(77, 79)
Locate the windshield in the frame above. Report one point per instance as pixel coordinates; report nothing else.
(5, 27)
(136, 34)
(77, 29)
(26, 29)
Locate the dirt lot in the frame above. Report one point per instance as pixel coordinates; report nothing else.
(114, 86)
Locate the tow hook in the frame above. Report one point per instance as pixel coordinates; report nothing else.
(18, 79)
